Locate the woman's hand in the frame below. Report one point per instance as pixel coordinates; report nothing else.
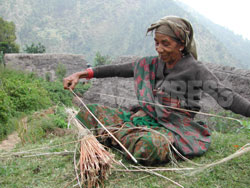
(140, 113)
(71, 81)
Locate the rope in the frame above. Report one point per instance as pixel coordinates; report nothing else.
(21, 152)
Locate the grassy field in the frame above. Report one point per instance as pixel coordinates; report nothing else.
(55, 171)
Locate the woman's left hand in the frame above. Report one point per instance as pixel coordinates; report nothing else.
(140, 113)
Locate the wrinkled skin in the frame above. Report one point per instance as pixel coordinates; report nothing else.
(71, 81)
(168, 49)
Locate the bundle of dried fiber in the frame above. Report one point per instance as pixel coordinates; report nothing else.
(95, 162)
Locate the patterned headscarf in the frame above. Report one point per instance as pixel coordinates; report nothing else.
(178, 29)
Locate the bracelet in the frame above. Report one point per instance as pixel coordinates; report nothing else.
(90, 73)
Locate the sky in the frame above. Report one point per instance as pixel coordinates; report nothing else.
(232, 14)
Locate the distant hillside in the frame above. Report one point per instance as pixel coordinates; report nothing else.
(236, 45)
(112, 27)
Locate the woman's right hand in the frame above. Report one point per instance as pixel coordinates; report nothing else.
(71, 81)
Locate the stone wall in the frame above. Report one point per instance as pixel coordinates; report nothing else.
(42, 64)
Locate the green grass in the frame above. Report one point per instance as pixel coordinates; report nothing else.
(44, 171)
(58, 171)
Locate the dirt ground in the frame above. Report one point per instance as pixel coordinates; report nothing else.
(10, 142)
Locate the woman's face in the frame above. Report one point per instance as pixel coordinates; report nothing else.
(168, 49)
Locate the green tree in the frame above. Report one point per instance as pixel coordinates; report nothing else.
(35, 49)
(8, 37)
(101, 59)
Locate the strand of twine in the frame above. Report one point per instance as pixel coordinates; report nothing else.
(21, 152)
(157, 174)
(170, 107)
(132, 157)
(244, 149)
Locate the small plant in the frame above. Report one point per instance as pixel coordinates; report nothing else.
(35, 48)
(2, 62)
(60, 71)
(60, 117)
(246, 125)
(5, 106)
(48, 76)
(101, 59)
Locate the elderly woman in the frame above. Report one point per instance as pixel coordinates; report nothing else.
(168, 88)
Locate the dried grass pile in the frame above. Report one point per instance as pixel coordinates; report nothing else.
(94, 165)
